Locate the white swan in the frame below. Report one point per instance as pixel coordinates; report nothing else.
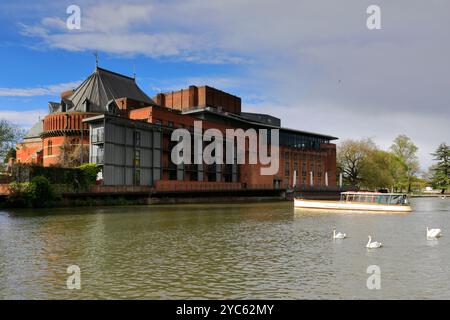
(338, 235)
(373, 245)
(434, 233)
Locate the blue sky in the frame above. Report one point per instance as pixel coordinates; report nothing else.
(314, 64)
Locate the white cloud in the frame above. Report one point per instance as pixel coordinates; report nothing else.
(38, 91)
(230, 84)
(314, 62)
(126, 29)
(24, 119)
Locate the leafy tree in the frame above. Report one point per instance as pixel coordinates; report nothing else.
(351, 156)
(441, 170)
(418, 184)
(406, 151)
(89, 174)
(36, 193)
(18, 195)
(40, 191)
(9, 136)
(10, 154)
(381, 169)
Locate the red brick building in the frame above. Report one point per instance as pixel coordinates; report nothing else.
(107, 96)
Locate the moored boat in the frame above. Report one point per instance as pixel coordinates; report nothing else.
(360, 201)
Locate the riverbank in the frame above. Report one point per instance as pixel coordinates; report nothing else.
(137, 197)
(434, 195)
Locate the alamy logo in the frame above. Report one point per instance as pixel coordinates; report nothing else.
(374, 280)
(73, 22)
(74, 280)
(374, 20)
(255, 150)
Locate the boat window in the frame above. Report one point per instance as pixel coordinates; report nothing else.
(393, 199)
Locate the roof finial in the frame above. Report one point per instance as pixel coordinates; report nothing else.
(134, 71)
(96, 59)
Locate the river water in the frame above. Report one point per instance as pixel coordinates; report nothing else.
(223, 251)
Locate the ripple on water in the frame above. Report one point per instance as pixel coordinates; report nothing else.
(214, 251)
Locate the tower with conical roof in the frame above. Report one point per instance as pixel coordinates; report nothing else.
(103, 92)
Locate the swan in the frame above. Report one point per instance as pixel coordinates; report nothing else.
(434, 233)
(373, 245)
(338, 235)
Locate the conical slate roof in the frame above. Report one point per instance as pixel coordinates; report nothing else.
(35, 131)
(100, 88)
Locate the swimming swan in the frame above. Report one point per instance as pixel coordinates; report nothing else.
(338, 235)
(373, 245)
(434, 233)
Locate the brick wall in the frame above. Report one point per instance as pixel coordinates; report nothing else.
(205, 96)
(27, 151)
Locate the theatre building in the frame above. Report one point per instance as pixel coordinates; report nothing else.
(113, 123)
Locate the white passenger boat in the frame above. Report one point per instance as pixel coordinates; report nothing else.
(360, 201)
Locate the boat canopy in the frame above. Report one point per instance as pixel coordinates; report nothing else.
(375, 197)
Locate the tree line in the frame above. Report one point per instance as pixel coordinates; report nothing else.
(365, 166)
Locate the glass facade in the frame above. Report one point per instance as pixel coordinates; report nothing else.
(299, 141)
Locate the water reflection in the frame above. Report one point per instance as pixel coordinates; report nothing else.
(262, 250)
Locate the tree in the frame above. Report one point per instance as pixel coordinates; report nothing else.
(381, 169)
(72, 154)
(441, 170)
(10, 134)
(406, 151)
(351, 155)
(10, 154)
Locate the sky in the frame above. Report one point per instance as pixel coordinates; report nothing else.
(313, 63)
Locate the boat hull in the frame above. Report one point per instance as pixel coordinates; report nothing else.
(349, 206)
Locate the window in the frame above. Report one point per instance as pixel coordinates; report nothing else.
(137, 158)
(99, 157)
(170, 124)
(98, 135)
(311, 170)
(137, 177)
(304, 169)
(296, 169)
(158, 121)
(286, 169)
(50, 147)
(137, 138)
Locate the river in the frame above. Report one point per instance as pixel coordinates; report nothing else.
(223, 251)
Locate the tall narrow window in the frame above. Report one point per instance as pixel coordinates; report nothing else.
(319, 171)
(286, 169)
(137, 138)
(137, 177)
(50, 147)
(137, 158)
